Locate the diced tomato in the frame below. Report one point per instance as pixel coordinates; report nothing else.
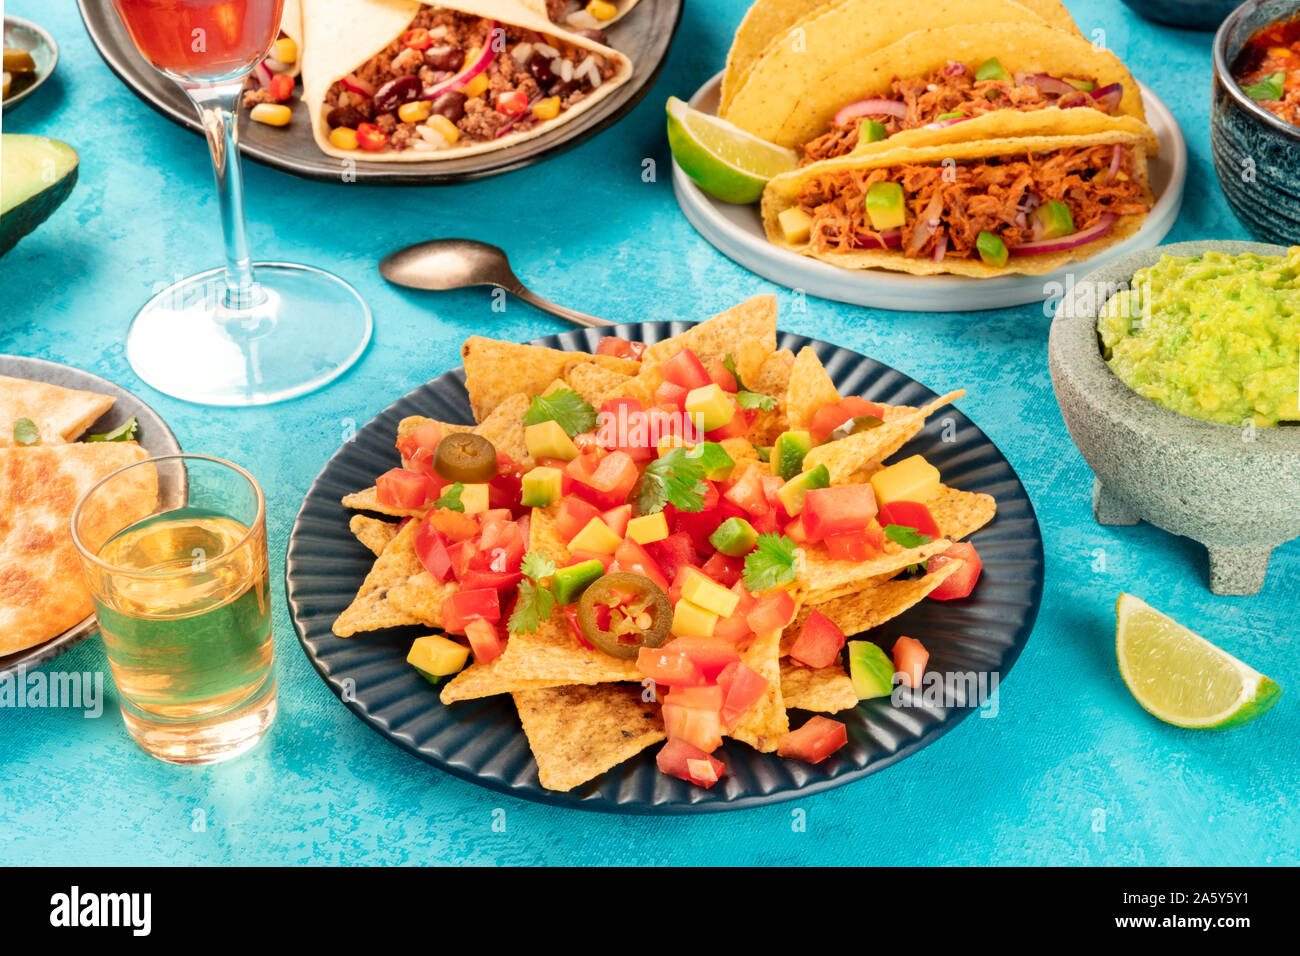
(673, 668)
(617, 519)
(609, 483)
(704, 697)
(742, 687)
(861, 545)
(697, 726)
(828, 511)
(571, 618)
(747, 601)
(499, 580)
(910, 658)
(710, 654)
(826, 419)
(733, 629)
(722, 377)
(418, 448)
(501, 545)
(747, 493)
(910, 514)
(431, 549)
(795, 532)
(631, 556)
(505, 490)
(464, 606)
(370, 137)
(686, 370)
(575, 514)
(672, 396)
(857, 407)
(417, 38)
(399, 488)
(678, 758)
(512, 103)
(577, 557)
(281, 86)
(738, 427)
(673, 553)
(961, 582)
(679, 582)
(698, 524)
(814, 741)
(485, 640)
(455, 526)
(462, 553)
(724, 569)
(624, 426)
(620, 348)
(819, 642)
(772, 612)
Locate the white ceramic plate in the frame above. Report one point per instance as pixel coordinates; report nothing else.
(737, 232)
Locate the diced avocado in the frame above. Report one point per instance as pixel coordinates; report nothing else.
(541, 487)
(567, 584)
(796, 225)
(788, 453)
(709, 407)
(548, 440)
(885, 206)
(1053, 220)
(792, 492)
(991, 69)
(1086, 85)
(648, 528)
(707, 594)
(735, 537)
(871, 670)
(957, 114)
(718, 465)
(435, 656)
(991, 249)
(912, 479)
(690, 619)
(36, 176)
(764, 452)
(870, 131)
(596, 537)
(474, 498)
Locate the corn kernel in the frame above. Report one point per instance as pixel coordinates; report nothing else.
(476, 87)
(343, 138)
(415, 112)
(272, 114)
(443, 127)
(547, 109)
(285, 50)
(602, 10)
(1279, 51)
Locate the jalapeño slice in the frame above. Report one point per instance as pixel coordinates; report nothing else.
(465, 457)
(623, 612)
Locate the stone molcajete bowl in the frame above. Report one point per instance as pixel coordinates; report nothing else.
(1235, 490)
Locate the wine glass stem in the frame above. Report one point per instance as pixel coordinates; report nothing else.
(217, 105)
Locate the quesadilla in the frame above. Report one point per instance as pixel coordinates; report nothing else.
(60, 414)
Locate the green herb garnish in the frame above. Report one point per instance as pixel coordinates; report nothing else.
(675, 478)
(1269, 88)
(537, 566)
(564, 406)
(26, 432)
(123, 432)
(450, 499)
(744, 397)
(535, 601)
(906, 537)
(772, 563)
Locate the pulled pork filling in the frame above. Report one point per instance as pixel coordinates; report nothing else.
(949, 206)
(954, 90)
(531, 78)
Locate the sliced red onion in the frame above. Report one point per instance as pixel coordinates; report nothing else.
(355, 84)
(954, 69)
(1073, 241)
(485, 56)
(1048, 84)
(926, 224)
(941, 124)
(1116, 155)
(1108, 97)
(876, 107)
(262, 74)
(1028, 203)
(889, 239)
(1074, 99)
(940, 247)
(276, 66)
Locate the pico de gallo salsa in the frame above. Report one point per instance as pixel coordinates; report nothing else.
(1268, 69)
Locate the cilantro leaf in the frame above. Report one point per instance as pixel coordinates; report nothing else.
(450, 499)
(533, 606)
(537, 566)
(729, 364)
(564, 406)
(123, 432)
(677, 479)
(748, 399)
(26, 432)
(1269, 88)
(772, 563)
(905, 536)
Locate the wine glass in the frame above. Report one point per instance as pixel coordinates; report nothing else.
(249, 333)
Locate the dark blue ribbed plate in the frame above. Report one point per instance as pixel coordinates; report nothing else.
(481, 741)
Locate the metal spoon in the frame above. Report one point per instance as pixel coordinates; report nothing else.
(443, 264)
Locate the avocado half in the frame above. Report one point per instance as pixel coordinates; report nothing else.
(36, 176)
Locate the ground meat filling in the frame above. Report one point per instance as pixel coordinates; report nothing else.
(993, 195)
(943, 93)
(538, 67)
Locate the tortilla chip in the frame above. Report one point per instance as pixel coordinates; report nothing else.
(496, 370)
(594, 382)
(577, 733)
(753, 320)
(409, 424)
(543, 537)
(823, 576)
(373, 533)
(504, 428)
(772, 378)
(854, 459)
(421, 597)
(60, 414)
(743, 453)
(763, 724)
(870, 607)
(961, 513)
(372, 610)
(552, 657)
(810, 388)
(825, 690)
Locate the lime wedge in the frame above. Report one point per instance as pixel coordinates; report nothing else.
(1181, 677)
(726, 162)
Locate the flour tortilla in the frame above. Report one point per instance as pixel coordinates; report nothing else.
(343, 34)
(291, 26)
(61, 414)
(42, 589)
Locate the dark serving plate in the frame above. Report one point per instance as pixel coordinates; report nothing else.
(154, 435)
(644, 36)
(481, 741)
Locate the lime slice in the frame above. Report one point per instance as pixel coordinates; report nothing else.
(724, 161)
(1181, 677)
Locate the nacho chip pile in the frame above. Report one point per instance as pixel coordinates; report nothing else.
(584, 710)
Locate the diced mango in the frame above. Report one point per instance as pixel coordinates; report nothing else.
(541, 486)
(475, 498)
(709, 407)
(597, 537)
(271, 114)
(796, 225)
(648, 528)
(547, 109)
(343, 138)
(691, 619)
(548, 440)
(912, 479)
(437, 656)
(703, 592)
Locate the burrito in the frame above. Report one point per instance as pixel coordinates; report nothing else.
(581, 15)
(980, 208)
(403, 81)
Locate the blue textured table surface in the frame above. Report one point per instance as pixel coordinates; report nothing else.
(1070, 771)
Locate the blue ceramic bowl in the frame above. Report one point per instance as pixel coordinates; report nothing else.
(1189, 14)
(1256, 154)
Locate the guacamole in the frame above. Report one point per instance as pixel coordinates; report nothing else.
(1215, 337)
